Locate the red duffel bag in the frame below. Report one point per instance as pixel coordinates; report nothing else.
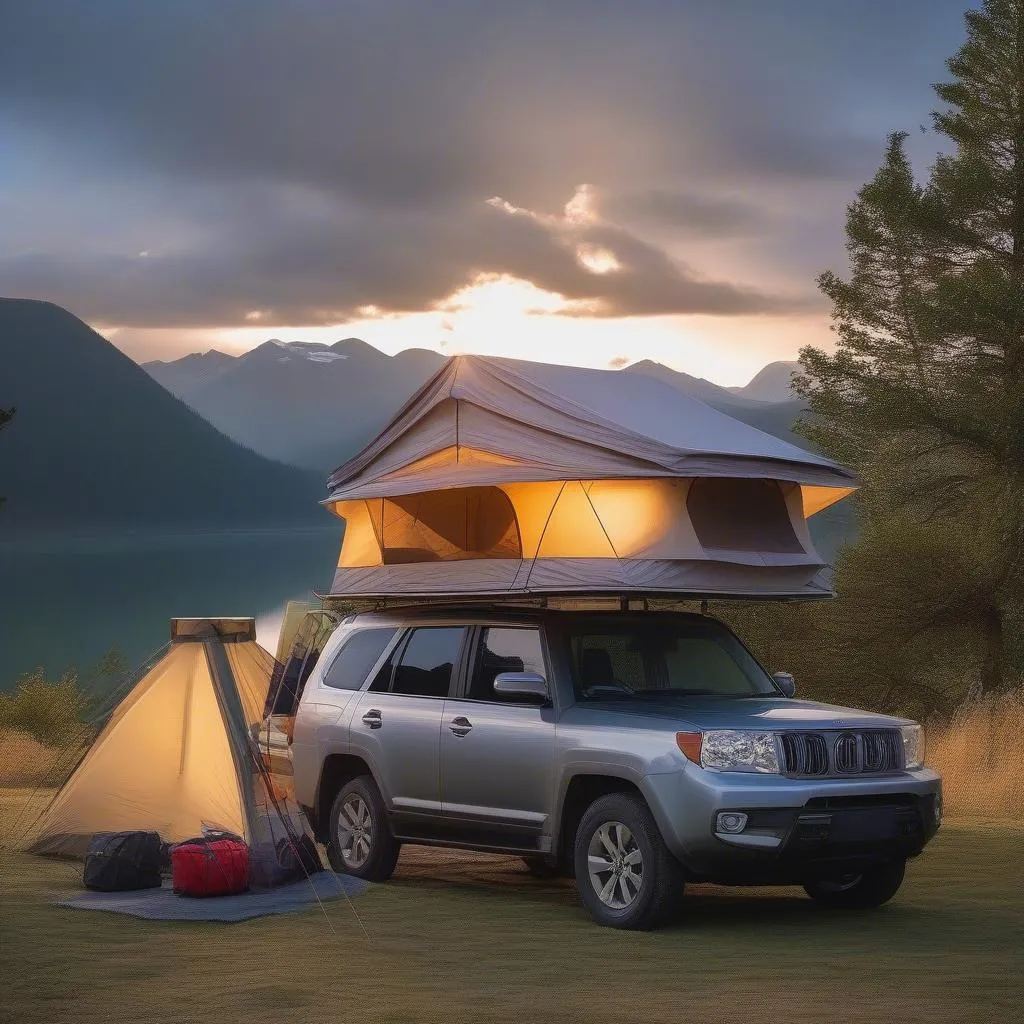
(210, 866)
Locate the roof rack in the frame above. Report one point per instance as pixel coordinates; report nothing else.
(609, 601)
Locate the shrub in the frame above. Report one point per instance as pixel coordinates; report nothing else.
(979, 752)
(51, 712)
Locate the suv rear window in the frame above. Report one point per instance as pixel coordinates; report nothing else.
(357, 656)
(428, 661)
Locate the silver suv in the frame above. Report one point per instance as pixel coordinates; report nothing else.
(635, 751)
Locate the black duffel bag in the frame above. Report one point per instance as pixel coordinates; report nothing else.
(119, 861)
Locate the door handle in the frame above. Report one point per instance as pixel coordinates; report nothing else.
(461, 725)
(373, 719)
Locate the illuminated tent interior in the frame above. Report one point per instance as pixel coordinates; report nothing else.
(504, 477)
(177, 753)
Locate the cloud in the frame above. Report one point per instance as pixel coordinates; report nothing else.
(310, 158)
(689, 213)
(320, 262)
(618, 362)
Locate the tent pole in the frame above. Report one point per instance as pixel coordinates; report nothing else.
(234, 721)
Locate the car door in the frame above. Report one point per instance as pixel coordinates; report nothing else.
(397, 723)
(497, 754)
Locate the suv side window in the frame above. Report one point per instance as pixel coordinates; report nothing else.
(428, 661)
(357, 656)
(504, 649)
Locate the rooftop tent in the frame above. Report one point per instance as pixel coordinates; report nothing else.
(177, 753)
(503, 477)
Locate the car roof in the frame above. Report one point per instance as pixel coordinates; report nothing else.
(475, 613)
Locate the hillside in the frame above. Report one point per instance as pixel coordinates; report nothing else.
(97, 444)
(771, 383)
(190, 372)
(309, 404)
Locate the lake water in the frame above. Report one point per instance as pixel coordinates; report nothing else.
(64, 604)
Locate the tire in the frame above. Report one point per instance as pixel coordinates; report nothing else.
(541, 867)
(360, 842)
(865, 892)
(620, 830)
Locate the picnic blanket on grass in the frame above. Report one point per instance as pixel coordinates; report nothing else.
(164, 904)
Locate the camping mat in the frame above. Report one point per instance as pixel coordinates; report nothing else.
(164, 904)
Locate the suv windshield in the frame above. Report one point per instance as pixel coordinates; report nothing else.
(636, 660)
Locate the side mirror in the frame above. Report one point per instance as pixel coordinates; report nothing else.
(526, 685)
(785, 682)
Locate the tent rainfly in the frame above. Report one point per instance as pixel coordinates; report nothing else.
(177, 753)
(502, 478)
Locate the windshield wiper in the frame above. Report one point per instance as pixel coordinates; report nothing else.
(678, 692)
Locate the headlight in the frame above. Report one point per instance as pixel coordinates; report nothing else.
(913, 746)
(733, 750)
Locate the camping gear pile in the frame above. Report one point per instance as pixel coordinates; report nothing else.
(215, 865)
(176, 783)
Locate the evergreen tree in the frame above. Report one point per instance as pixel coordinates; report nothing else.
(924, 394)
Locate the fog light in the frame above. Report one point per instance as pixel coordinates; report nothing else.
(731, 821)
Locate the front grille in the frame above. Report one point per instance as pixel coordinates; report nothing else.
(852, 752)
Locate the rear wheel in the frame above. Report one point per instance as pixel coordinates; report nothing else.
(860, 892)
(360, 841)
(626, 875)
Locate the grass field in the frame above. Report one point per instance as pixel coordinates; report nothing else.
(463, 937)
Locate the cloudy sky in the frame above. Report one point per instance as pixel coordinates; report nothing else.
(573, 180)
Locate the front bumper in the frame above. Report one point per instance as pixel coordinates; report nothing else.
(796, 830)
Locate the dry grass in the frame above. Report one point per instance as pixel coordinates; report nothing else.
(24, 761)
(980, 755)
(471, 937)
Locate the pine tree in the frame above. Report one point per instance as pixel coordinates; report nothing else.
(924, 394)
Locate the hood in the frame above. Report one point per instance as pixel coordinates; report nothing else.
(777, 713)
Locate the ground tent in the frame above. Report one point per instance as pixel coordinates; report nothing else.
(504, 477)
(180, 751)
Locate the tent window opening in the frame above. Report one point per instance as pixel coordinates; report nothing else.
(448, 525)
(741, 515)
(357, 656)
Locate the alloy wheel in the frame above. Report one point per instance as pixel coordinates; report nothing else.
(615, 865)
(355, 831)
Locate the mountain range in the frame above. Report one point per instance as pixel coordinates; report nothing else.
(218, 441)
(307, 404)
(314, 405)
(97, 444)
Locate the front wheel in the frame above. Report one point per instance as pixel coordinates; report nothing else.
(361, 843)
(626, 875)
(860, 892)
